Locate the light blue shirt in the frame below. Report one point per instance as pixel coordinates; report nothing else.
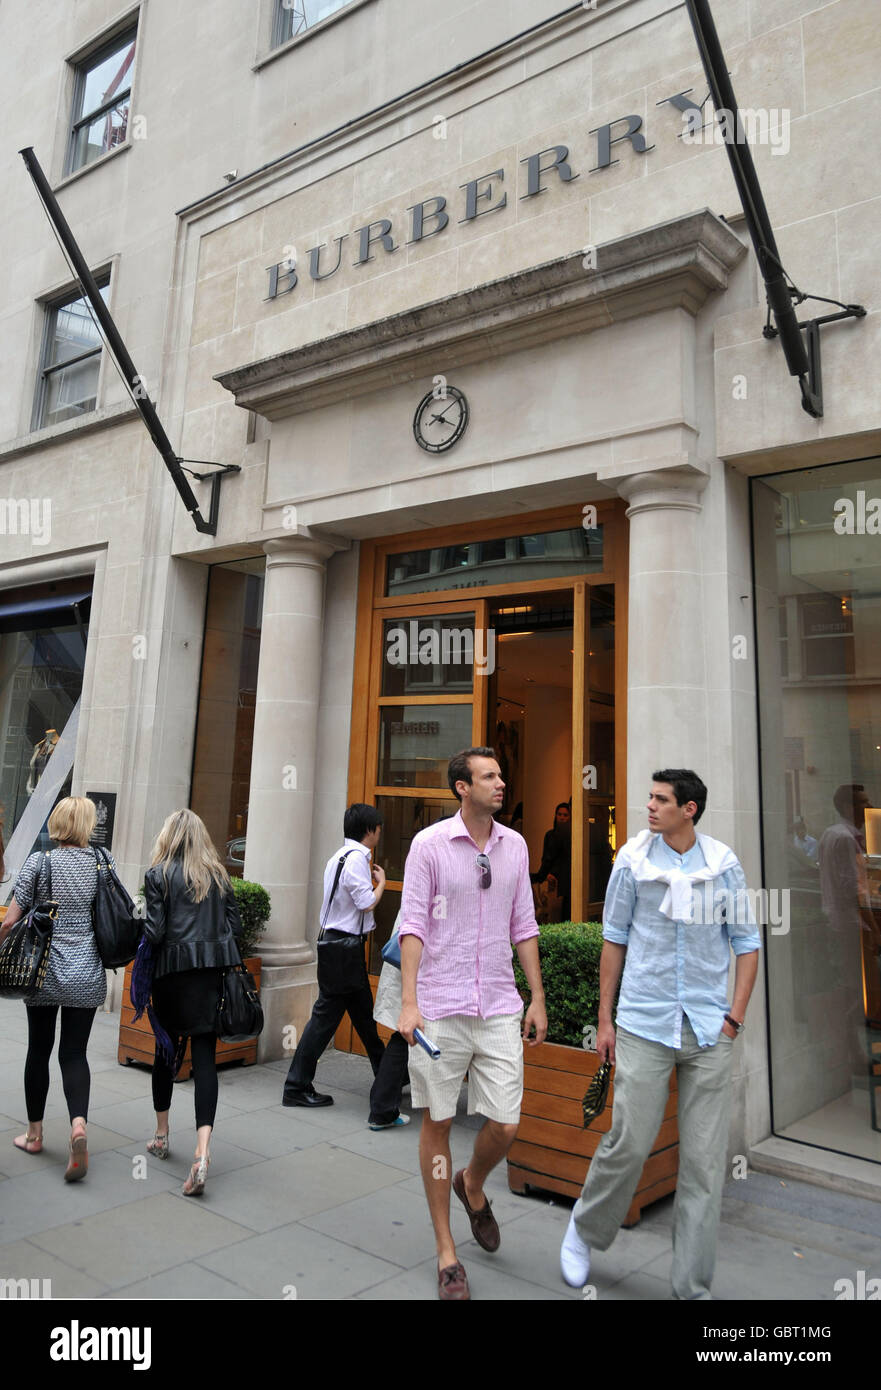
(673, 967)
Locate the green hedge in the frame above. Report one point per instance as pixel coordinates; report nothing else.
(254, 908)
(570, 968)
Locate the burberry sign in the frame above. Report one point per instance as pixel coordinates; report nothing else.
(479, 198)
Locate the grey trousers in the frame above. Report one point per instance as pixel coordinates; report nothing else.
(641, 1079)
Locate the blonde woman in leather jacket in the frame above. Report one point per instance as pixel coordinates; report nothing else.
(192, 923)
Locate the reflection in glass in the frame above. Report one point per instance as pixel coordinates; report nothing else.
(818, 614)
(416, 743)
(227, 705)
(404, 817)
(500, 561)
(384, 915)
(430, 655)
(43, 634)
(101, 116)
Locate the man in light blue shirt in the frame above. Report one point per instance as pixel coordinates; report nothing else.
(676, 906)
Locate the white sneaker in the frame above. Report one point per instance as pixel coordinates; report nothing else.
(574, 1257)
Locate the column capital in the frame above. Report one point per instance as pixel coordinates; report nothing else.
(298, 549)
(662, 489)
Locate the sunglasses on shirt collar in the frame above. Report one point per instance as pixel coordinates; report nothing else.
(486, 873)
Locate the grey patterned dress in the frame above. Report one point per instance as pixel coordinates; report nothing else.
(75, 976)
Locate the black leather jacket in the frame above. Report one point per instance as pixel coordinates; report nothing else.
(189, 935)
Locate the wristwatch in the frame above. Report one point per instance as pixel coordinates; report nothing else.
(738, 1027)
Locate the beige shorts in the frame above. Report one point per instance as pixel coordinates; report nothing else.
(489, 1049)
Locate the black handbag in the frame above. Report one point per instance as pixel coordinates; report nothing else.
(24, 954)
(239, 1011)
(341, 968)
(114, 917)
(597, 1093)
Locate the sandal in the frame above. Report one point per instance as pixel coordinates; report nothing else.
(195, 1183)
(158, 1146)
(78, 1163)
(28, 1141)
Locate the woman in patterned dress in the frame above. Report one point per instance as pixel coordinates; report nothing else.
(75, 981)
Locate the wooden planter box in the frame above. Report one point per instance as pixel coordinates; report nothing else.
(136, 1043)
(553, 1150)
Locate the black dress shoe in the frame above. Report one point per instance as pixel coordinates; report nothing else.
(308, 1097)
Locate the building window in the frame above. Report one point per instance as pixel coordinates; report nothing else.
(293, 17)
(68, 382)
(101, 101)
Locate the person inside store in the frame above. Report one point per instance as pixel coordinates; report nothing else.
(556, 859)
(192, 926)
(352, 889)
(75, 981)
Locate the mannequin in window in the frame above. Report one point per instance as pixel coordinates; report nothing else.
(42, 753)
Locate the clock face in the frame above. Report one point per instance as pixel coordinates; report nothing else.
(440, 419)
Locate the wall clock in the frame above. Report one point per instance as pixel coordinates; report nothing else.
(440, 420)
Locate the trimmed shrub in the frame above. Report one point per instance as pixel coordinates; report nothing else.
(254, 907)
(570, 966)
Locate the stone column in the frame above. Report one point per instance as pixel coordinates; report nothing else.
(283, 778)
(666, 658)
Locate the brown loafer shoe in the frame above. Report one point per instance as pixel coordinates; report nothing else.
(452, 1284)
(484, 1226)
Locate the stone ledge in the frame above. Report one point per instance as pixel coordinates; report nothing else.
(56, 434)
(840, 1172)
(675, 264)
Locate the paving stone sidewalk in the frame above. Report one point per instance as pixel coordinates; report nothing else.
(313, 1202)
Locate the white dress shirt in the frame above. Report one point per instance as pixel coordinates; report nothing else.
(355, 891)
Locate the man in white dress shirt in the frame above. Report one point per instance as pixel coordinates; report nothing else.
(676, 907)
(352, 889)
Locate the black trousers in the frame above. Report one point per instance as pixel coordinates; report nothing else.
(76, 1025)
(385, 1097)
(202, 1049)
(327, 1015)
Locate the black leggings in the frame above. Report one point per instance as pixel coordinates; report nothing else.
(204, 1075)
(76, 1025)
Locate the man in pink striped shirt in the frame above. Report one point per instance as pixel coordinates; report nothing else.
(467, 899)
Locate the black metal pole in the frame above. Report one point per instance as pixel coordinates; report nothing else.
(115, 343)
(755, 211)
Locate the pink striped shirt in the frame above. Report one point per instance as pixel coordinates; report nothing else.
(467, 931)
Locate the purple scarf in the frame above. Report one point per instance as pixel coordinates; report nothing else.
(170, 1050)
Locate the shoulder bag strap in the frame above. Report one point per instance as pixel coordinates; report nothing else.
(339, 868)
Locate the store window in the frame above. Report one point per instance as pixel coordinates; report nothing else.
(818, 614)
(227, 703)
(43, 634)
(293, 17)
(101, 101)
(68, 381)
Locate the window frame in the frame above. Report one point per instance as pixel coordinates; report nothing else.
(279, 39)
(45, 370)
(82, 65)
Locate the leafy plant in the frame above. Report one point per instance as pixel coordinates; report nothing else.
(254, 906)
(570, 966)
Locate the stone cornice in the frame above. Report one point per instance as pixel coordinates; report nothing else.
(676, 264)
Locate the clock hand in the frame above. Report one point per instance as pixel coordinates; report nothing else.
(443, 412)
